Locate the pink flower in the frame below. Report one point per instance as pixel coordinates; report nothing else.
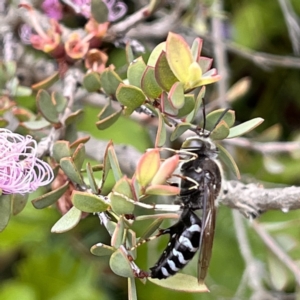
(53, 9)
(20, 170)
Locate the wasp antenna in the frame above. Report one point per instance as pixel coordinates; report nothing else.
(204, 116)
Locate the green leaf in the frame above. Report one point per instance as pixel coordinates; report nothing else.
(68, 166)
(61, 149)
(155, 54)
(23, 91)
(220, 132)
(74, 117)
(244, 127)
(213, 117)
(99, 11)
(46, 83)
(121, 191)
(176, 95)
(110, 81)
(226, 157)
(132, 295)
(106, 163)
(161, 134)
(181, 282)
(118, 235)
(81, 140)
(91, 82)
(50, 198)
(189, 105)
(47, 107)
(130, 96)
(278, 272)
(18, 203)
(59, 101)
(68, 221)
(163, 73)
(129, 53)
(5, 210)
(88, 202)
(179, 130)
(102, 250)
(10, 68)
(36, 125)
(198, 103)
(135, 71)
(79, 156)
(120, 264)
(149, 84)
(107, 121)
(179, 56)
(91, 178)
(151, 229)
(114, 163)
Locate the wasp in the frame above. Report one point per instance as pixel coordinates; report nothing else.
(200, 187)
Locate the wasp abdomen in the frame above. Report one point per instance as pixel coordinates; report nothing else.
(182, 246)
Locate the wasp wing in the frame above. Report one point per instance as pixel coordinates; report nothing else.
(207, 231)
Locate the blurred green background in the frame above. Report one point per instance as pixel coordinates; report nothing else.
(38, 265)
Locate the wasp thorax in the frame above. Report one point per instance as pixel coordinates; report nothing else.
(201, 146)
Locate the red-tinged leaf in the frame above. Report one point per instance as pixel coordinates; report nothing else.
(147, 167)
(196, 48)
(162, 190)
(161, 131)
(166, 169)
(205, 63)
(209, 77)
(179, 56)
(181, 282)
(176, 95)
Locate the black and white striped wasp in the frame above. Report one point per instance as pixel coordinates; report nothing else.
(200, 186)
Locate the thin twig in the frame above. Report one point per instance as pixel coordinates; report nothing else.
(253, 271)
(69, 88)
(292, 22)
(274, 247)
(220, 51)
(252, 199)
